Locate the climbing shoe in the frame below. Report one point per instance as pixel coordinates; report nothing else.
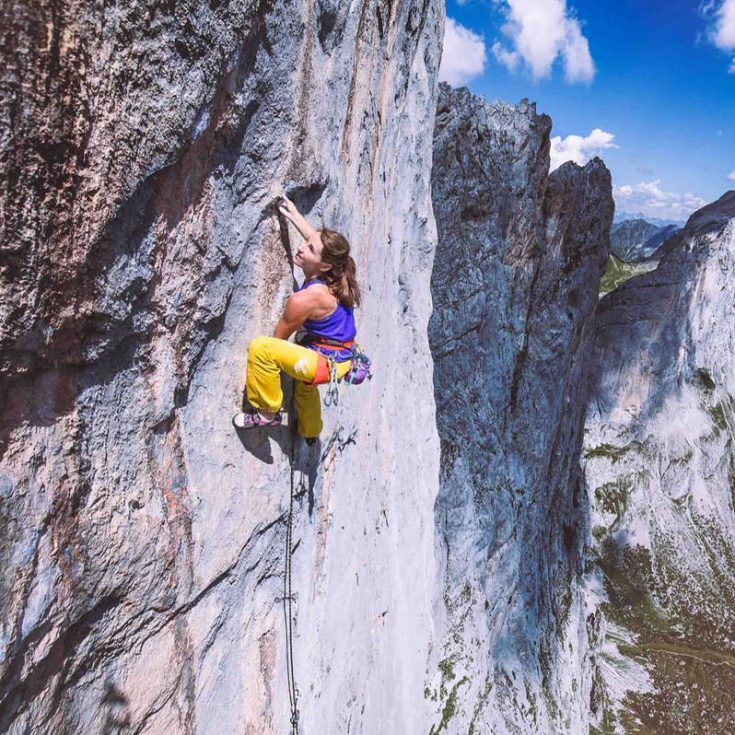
(253, 420)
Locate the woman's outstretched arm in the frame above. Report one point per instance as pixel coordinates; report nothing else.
(288, 209)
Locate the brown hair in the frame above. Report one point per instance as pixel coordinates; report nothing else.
(340, 278)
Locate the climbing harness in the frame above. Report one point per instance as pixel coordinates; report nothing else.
(327, 343)
(326, 365)
(360, 368)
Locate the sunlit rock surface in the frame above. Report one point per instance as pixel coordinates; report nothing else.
(515, 281)
(143, 541)
(660, 468)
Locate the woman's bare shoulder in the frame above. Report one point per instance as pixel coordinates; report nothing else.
(322, 302)
(318, 296)
(322, 294)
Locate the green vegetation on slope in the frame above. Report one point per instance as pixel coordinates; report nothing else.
(617, 271)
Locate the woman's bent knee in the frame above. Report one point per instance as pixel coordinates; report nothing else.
(258, 345)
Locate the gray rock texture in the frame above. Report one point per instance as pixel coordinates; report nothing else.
(143, 541)
(515, 281)
(659, 463)
(637, 239)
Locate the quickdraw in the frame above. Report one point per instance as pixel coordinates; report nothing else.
(332, 396)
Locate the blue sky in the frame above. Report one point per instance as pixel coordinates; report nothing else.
(658, 76)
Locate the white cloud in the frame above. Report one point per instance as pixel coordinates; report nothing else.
(463, 56)
(722, 31)
(576, 148)
(509, 59)
(731, 176)
(578, 64)
(649, 199)
(539, 32)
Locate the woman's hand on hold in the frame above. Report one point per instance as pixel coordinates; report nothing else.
(288, 209)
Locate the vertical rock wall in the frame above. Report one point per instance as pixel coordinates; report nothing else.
(515, 281)
(143, 544)
(660, 468)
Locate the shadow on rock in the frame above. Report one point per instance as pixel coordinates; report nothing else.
(257, 441)
(115, 703)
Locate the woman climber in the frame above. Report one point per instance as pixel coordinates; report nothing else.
(322, 309)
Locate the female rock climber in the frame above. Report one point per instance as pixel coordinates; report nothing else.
(323, 310)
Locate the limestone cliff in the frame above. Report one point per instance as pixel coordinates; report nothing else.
(143, 541)
(516, 275)
(660, 467)
(454, 568)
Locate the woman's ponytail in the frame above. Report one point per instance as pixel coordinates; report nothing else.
(341, 278)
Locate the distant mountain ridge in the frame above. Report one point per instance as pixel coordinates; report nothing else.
(622, 216)
(638, 239)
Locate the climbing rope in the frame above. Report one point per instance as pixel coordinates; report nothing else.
(331, 399)
(293, 692)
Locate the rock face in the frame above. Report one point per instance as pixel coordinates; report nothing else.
(515, 281)
(637, 239)
(660, 467)
(439, 536)
(143, 541)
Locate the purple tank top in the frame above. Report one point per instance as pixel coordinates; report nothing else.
(339, 325)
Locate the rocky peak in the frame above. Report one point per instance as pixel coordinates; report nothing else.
(517, 267)
(714, 217)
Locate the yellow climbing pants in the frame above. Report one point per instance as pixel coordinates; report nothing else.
(267, 356)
